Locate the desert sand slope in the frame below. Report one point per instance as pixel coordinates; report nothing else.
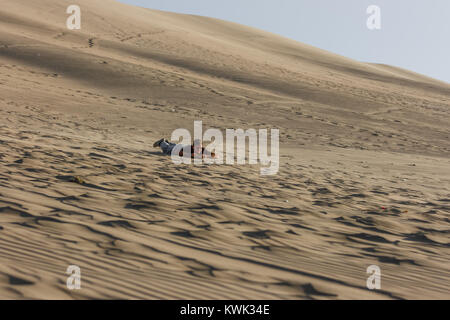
(364, 168)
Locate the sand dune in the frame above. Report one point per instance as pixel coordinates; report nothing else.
(364, 173)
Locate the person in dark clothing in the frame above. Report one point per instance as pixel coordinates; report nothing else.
(196, 148)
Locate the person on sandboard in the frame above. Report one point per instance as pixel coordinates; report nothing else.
(196, 148)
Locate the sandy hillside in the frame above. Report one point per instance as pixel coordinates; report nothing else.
(364, 175)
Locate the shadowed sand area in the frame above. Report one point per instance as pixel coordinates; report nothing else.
(364, 163)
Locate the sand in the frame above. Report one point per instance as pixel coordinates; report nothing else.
(363, 180)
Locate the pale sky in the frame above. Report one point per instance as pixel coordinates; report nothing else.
(415, 34)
